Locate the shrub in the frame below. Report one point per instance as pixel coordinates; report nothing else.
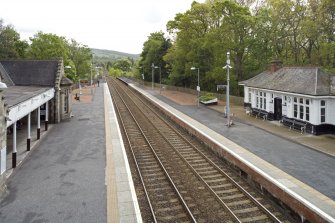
(207, 97)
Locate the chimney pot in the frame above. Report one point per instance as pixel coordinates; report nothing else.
(276, 64)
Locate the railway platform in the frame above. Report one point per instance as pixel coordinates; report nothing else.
(76, 172)
(304, 174)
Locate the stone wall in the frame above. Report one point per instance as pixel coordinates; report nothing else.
(3, 137)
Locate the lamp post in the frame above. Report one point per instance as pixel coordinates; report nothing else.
(91, 74)
(160, 78)
(198, 87)
(227, 91)
(142, 74)
(152, 75)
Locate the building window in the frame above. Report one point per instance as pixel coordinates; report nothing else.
(307, 113)
(301, 108)
(323, 111)
(249, 97)
(285, 100)
(307, 109)
(301, 111)
(261, 100)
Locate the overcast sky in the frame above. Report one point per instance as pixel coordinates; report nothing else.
(121, 25)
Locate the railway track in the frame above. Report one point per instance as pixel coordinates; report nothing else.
(181, 181)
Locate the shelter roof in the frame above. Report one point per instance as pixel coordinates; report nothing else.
(301, 80)
(14, 95)
(31, 72)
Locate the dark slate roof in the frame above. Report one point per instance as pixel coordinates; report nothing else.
(31, 72)
(301, 80)
(332, 85)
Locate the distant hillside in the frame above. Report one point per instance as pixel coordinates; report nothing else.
(112, 55)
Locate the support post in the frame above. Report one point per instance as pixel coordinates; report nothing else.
(152, 78)
(46, 115)
(38, 123)
(227, 90)
(198, 88)
(160, 80)
(14, 146)
(228, 103)
(29, 131)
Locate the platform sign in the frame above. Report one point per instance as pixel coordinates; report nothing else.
(221, 86)
(142, 76)
(198, 88)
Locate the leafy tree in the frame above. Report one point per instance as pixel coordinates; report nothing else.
(48, 46)
(298, 32)
(122, 64)
(11, 47)
(190, 47)
(81, 57)
(153, 51)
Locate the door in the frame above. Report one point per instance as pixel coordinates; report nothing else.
(277, 108)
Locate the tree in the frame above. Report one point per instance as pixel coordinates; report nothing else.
(153, 51)
(123, 64)
(298, 32)
(190, 46)
(81, 58)
(11, 47)
(48, 46)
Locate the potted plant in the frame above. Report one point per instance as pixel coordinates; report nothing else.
(208, 99)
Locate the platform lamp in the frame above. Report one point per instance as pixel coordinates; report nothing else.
(228, 67)
(198, 87)
(152, 75)
(142, 74)
(160, 78)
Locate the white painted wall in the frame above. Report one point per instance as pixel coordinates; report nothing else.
(314, 106)
(331, 112)
(246, 94)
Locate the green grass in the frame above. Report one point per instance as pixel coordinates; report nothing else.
(207, 97)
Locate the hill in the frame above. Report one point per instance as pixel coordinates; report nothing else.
(112, 55)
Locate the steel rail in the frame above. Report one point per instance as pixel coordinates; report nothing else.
(157, 158)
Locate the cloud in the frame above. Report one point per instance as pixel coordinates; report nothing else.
(121, 25)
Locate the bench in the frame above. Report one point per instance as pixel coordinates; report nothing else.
(259, 113)
(294, 124)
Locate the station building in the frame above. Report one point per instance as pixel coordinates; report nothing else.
(31, 92)
(293, 95)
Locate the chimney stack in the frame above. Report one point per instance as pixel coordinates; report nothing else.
(276, 64)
